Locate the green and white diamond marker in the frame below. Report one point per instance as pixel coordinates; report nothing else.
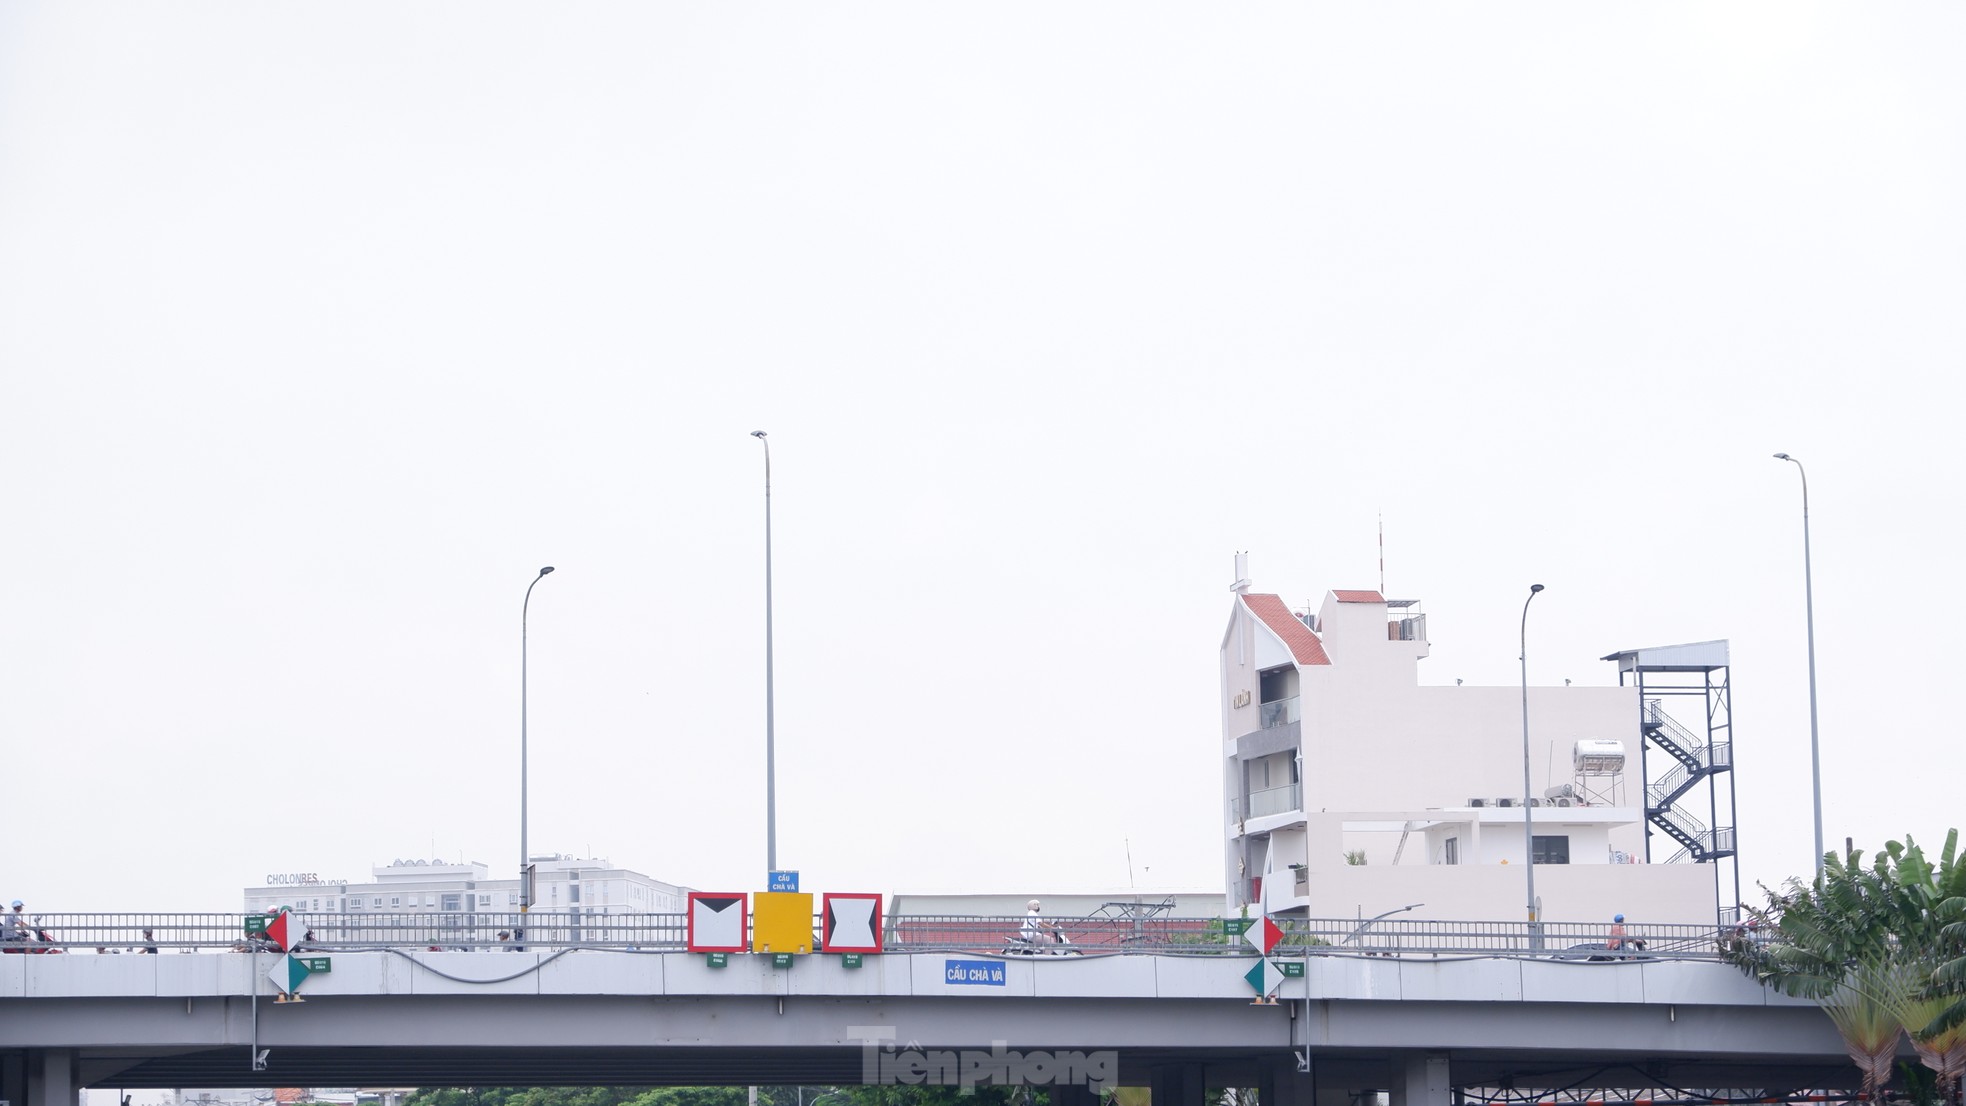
(1265, 977)
(287, 972)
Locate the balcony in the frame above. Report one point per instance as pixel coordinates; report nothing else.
(1272, 800)
(1282, 712)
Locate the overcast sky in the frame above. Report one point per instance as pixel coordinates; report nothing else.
(323, 327)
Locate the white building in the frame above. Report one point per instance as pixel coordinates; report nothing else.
(562, 885)
(1351, 790)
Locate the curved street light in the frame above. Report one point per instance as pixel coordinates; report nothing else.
(1367, 924)
(525, 609)
(1528, 829)
(1809, 605)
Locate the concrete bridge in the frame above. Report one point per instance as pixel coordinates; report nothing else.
(1419, 1026)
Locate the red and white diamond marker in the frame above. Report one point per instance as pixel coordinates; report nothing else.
(284, 931)
(1264, 935)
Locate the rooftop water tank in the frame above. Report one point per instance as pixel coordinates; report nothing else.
(1597, 757)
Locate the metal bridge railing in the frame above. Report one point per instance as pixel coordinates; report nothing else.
(1097, 935)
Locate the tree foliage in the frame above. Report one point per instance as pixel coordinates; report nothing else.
(1881, 945)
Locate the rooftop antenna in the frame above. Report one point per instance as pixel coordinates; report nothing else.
(1128, 842)
(1382, 554)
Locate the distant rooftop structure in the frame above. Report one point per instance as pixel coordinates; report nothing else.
(1697, 656)
(566, 884)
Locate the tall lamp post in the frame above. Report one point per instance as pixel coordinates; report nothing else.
(1809, 605)
(771, 782)
(1528, 829)
(525, 609)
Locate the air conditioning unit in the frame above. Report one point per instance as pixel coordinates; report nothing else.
(1564, 800)
(1505, 802)
(1477, 802)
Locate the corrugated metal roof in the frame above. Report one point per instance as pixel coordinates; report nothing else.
(1696, 656)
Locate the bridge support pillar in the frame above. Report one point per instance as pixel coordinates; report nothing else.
(51, 1079)
(1420, 1079)
(13, 1078)
(1178, 1085)
(1286, 1087)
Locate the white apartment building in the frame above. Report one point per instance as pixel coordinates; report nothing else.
(1352, 791)
(562, 884)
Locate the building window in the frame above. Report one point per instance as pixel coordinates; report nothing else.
(1451, 853)
(1553, 849)
(394, 900)
(573, 892)
(453, 903)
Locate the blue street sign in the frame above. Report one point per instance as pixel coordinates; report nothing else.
(973, 973)
(783, 881)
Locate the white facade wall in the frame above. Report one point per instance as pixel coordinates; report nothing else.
(1646, 893)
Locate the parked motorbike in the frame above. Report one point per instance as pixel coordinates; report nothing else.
(1633, 948)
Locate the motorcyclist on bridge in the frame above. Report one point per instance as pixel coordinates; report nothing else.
(1036, 930)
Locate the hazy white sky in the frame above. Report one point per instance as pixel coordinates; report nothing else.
(324, 326)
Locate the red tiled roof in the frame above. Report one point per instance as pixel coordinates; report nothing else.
(1303, 644)
(1359, 597)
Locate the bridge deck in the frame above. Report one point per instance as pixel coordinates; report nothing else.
(408, 1017)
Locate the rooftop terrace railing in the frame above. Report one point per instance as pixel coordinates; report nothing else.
(1099, 935)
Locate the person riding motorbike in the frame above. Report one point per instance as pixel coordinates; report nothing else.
(1036, 930)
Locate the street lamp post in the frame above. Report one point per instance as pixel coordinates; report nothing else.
(525, 609)
(1809, 605)
(1528, 829)
(771, 781)
(1367, 924)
